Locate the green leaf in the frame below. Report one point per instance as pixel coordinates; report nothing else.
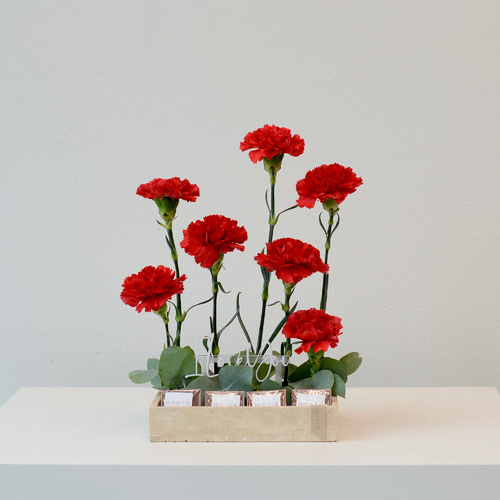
(280, 325)
(291, 369)
(175, 363)
(336, 367)
(243, 355)
(301, 372)
(338, 388)
(305, 383)
(262, 371)
(153, 363)
(205, 384)
(351, 361)
(236, 378)
(189, 349)
(270, 385)
(142, 376)
(323, 379)
(156, 383)
(240, 321)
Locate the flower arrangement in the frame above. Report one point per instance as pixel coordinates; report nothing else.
(312, 331)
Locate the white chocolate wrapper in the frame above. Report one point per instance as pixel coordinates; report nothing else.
(311, 397)
(225, 398)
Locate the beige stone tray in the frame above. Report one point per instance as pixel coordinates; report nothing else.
(242, 423)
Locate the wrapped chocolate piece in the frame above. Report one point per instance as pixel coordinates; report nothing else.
(311, 397)
(181, 397)
(267, 398)
(225, 398)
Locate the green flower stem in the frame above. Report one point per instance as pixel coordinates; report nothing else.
(215, 292)
(265, 273)
(214, 270)
(326, 276)
(179, 317)
(163, 313)
(265, 297)
(272, 211)
(287, 345)
(167, 334)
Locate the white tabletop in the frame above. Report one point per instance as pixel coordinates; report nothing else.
(377, 426)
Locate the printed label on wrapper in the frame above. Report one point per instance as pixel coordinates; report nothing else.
(311, 397)
(178, 398)
(224, 398)
(267, 398)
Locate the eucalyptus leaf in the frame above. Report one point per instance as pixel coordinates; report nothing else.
(338, 388)
(336, 367)
(236, 378)
(323, 379)
(269, 385)
(244, 358)
(301, 372)
(263, 371)
(351, 361)
(153, 363)
(175, 364)
(156, 383)
(142, 376)
(189, 349)
(305, 383)
(205, 384)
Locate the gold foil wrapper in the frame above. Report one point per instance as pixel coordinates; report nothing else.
(225, 398)
(311, 397)
(183, 398)
(274, 398)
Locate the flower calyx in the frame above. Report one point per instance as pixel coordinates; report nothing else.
(289, 288)
(273, 166)
(286, 349)
(315, 359)
(167, 207)
(331, 206)
(163, 313)
(217, 266)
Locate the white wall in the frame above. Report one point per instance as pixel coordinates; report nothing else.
(99, 97)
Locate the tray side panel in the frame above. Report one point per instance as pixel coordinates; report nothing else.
(240, 424)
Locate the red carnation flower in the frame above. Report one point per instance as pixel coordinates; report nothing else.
(151, 288)
(174, 188)
(270, 141)
(292, 260)
(207, 239)
(327, 182)
(315, 328)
